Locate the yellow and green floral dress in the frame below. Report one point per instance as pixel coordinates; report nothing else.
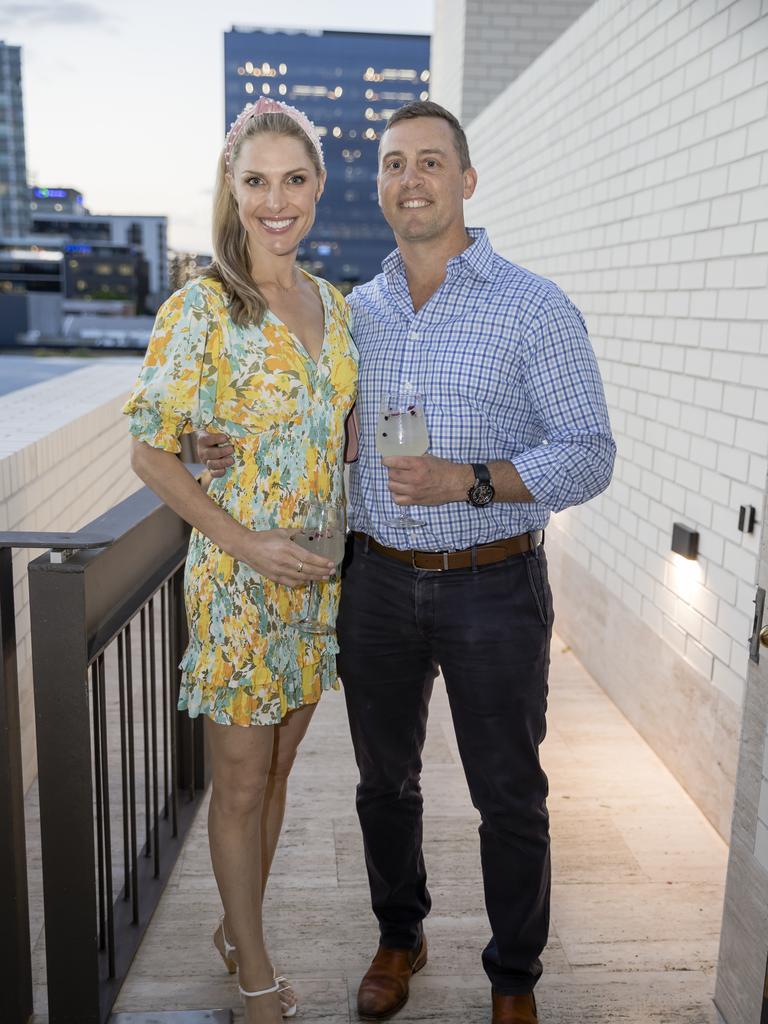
(285, 415)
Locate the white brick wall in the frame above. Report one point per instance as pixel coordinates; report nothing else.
(479, 46)
(628, 164)
(64, 459)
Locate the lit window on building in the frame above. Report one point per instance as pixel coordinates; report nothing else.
(265, 88)
(249, 87)
(308, 90)
(337, 132)
(405, 74)
(283, 69)
(282, 89)
(424, 76)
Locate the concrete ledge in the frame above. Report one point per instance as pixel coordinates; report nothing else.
(64, 459)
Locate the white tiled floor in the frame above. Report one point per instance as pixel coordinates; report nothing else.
(637, 894)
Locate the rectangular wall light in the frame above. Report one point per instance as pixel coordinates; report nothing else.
(685, 541)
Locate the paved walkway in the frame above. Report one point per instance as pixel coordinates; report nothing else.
(636, 902)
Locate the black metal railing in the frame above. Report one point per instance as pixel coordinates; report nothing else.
(16, 1004)
(120, 771)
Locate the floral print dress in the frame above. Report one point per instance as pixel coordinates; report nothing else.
(244, 664)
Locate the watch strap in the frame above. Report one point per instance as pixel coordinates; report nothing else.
(482, 473)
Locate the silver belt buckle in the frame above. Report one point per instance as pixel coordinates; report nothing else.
(443, 553)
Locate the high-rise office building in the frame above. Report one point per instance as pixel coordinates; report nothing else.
(14, 197)
(147, 234)
(348, 83)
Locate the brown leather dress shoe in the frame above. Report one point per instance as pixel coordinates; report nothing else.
(384, 988)
(514, 1009)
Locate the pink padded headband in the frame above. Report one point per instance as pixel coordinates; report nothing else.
(264, 105)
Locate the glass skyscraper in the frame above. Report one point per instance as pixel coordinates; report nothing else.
(348, 83)
(14, 197)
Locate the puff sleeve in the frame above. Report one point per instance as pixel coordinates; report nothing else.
(176, 389)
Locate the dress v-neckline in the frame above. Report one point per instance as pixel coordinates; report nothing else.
(303, 350)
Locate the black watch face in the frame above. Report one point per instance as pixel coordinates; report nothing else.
(482, 493)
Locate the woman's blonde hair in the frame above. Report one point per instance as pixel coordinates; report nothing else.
(231, 264)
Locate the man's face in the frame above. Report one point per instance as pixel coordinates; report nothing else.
(421, 185)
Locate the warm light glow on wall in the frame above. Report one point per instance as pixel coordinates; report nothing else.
(685, 577)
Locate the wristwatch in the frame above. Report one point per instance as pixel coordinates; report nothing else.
(482, 492)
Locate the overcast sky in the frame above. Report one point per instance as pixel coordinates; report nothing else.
(125, 101)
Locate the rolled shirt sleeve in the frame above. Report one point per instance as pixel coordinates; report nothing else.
(563, 384)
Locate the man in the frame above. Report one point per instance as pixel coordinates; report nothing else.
(518, 428)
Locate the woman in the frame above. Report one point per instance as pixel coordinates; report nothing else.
(261, 351)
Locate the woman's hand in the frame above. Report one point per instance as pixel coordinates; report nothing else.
(273, 554)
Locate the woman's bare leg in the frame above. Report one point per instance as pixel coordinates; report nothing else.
(288, 736)
(240, 765)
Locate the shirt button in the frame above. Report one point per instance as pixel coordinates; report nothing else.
(413, 336)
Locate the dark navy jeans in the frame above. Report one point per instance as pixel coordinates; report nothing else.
(488, 630)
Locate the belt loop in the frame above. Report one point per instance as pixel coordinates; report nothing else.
(445, 559)
(473, 556)
(367, 543)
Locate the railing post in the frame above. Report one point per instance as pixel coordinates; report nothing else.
(15, 955)
(65, 759)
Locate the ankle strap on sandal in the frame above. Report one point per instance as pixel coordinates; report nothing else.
(263, 992)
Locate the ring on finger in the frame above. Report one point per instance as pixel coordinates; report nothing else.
(300, 567)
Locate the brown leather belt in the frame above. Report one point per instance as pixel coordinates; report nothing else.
(438, 561)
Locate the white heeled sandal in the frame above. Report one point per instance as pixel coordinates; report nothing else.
(229, 949)
(285, 988)
(282, 986)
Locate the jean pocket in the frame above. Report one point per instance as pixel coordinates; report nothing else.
(538, 586)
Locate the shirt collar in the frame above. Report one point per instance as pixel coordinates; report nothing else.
(476, 258)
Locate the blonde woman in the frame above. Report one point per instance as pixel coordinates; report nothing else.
(259, 350)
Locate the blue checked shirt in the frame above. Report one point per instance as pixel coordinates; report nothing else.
(503, 360)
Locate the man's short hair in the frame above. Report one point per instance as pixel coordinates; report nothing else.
(426, 108)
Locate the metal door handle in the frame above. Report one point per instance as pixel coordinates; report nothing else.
(764, 636)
